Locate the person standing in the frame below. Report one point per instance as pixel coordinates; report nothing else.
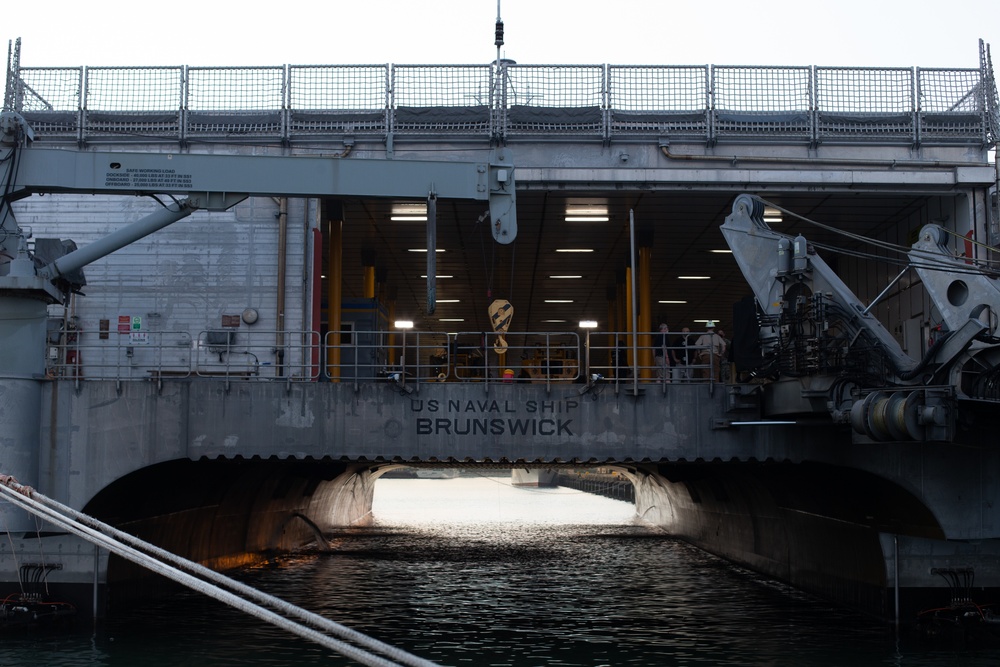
(662, 353)
(711, 348)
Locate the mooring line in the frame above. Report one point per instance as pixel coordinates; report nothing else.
(163, 562)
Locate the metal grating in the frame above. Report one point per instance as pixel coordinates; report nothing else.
(144, 102)
(49, 99)
(952, 106)
(662, 101)
(338, 99)
(554, 99)
(456, 99)
(860, 104)
(247, 102)
(569, 102)
(771, 103)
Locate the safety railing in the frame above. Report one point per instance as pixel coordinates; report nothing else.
(621, 357)
(410, 358)
(705, 103)
(399, 356)
(230, 354)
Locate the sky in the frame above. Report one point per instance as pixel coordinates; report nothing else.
(850, 33)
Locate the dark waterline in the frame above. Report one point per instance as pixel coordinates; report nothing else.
(476, 572)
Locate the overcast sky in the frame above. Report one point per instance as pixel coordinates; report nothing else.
(624, 32)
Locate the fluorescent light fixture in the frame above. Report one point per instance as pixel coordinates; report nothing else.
(722, 252)
(772, 214)
(588, 324)
(451, 319)
(565, 277)
(448, 301)
(706, 321)
(694, 277)
(403, 324)
(672, 301)
(552, 321)
(409, 213)
(587, 211)
(424, 250)
(760, 423)
(439, 277)
(559, 301)
(574, 250)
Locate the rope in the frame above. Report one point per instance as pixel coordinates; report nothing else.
(13, 553)
(118, 542)
(41, 551)
(892, 247)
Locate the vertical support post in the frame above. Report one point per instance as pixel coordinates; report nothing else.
(279, 336)
(632, 301)
(895, 575)
(645, 308)
(628, 323)
(431, 253)
(612, 337)
(334, 292)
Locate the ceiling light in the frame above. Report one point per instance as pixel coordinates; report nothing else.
(672, 301)
(452, 319)
(722, 252)
(409, 213)
(439, 277)
(553, 321)
(567, 277)
(403, 324)
(694, 277)
(574, 250)
(772, 214)
(424, 250)
(447, 301)
(559, 301)
(768, 422)
(588, 324)
(587, 210)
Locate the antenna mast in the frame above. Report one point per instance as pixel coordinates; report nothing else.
(499, 33)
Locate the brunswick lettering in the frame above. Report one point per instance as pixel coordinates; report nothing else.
(493, 417)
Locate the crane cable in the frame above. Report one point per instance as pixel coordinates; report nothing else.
(183, 571)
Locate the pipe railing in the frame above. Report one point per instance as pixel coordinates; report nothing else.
(413, 357)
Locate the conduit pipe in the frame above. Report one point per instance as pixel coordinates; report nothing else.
(733, 159)
(183, 571)
(279, 336)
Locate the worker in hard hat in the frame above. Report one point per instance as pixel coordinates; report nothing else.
(711, 348)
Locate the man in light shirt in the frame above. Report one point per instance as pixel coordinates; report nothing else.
(711, 348)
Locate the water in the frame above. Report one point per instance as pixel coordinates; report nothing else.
(472, 571)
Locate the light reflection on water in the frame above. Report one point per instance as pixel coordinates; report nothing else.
(472, 571)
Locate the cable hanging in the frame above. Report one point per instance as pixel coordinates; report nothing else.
(211, 583)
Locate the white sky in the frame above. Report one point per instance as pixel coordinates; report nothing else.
(926, 33)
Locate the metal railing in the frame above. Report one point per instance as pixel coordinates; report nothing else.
(230, 354)
(332, 102)
(404, 357)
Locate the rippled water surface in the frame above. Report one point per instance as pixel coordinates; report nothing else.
(472, 571)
